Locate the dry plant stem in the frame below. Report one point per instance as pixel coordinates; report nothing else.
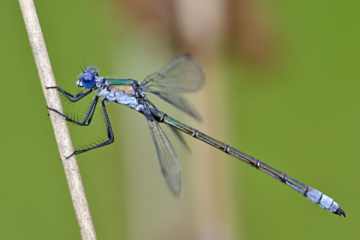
(60, 129)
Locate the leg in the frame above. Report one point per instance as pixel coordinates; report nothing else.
(69, 96)
(110, 134)
(88, 117)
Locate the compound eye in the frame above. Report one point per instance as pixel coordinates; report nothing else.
(88, 76)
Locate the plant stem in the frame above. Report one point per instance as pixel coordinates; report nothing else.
(60, 129)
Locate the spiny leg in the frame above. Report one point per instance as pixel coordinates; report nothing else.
(88, 116)
(69, 96)
(109, 130)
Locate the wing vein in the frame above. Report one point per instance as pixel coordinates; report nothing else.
(169, 162)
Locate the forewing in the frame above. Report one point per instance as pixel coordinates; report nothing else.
(182, 74)
(169, 162)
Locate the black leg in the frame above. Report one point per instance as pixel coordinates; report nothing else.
(88, 117)
(110, 134)
(69, 96)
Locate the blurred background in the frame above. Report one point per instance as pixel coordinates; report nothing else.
(282, 85)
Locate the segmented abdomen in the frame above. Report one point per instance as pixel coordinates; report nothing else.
(324, 201)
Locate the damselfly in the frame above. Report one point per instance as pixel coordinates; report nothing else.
(181, 75)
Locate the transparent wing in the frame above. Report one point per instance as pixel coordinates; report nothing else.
(181, 75)
(169, 162)
(179, 102)
(180, 138)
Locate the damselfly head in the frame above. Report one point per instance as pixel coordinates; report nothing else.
(87, 78)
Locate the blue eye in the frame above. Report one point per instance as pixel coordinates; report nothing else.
(88, 78)
(89, 83)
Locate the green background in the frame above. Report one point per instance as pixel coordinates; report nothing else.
(304, 117)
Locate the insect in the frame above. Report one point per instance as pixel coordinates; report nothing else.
(181, 75)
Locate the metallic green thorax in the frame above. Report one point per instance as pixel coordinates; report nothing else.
(120, 82)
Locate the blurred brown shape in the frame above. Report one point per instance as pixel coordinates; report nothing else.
(241, 25)
(248, 31)
(156, 17)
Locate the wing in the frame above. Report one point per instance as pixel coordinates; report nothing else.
(179, 102)
(180, 138)
(169, 162)
(181, 75)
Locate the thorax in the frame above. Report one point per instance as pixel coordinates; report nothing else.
(118, 94)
